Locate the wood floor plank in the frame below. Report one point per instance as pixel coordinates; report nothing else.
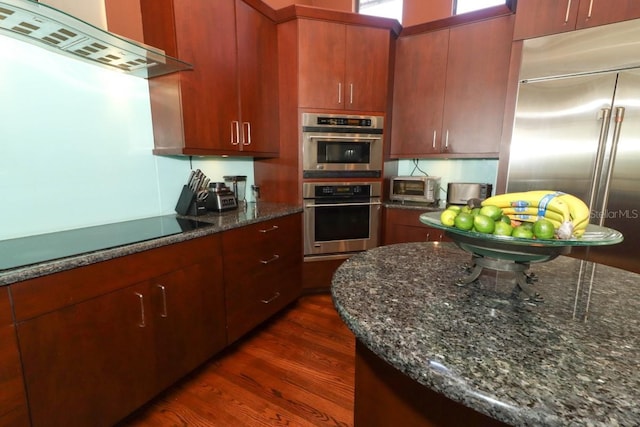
(296, 370)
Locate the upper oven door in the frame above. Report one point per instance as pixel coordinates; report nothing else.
(341, 146)
(324, 153)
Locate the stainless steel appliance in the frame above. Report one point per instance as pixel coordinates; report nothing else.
(341, 217)
(425, 189)
(459, 193)
(341, 146)
(577, 128)
(223, 199)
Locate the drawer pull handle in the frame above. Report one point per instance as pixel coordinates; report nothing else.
(272, 299)
(267, 230)
(274, 258)
(142, 323)
(566, 17)
(164, 301)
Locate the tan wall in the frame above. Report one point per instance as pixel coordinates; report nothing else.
(126, 18)
(413, 11)
(91, 11)
(419, 11)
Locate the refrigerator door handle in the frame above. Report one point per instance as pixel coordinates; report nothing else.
(619, 118)
(597, 168)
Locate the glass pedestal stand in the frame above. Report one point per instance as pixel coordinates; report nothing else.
(504, 257)
(514, 254)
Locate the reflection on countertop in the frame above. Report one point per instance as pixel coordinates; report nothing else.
(419, 206)
(33, 256)
(572, 360)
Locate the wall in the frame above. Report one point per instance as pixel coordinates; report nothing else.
(91, 11)
(413, 11)
(75, 146)
(453, 170)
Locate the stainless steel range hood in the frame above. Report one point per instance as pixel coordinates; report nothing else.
(52, 29)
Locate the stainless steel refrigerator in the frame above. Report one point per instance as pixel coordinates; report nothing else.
(577, 129)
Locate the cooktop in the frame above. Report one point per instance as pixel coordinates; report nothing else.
(29, 250)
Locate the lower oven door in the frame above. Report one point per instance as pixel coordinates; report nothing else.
(334, 227)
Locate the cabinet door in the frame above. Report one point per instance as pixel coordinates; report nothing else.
(13, 403)
(477, 78)
(536, 18)
(322, 51)
(258, 80)
(90, 363)
(367, 68)
(203, 102)
(418, 98)
(403, 226)
(189, 319)
(599, 12)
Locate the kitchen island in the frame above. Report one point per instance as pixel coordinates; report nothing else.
(432, 353)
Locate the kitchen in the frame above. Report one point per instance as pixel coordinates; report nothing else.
(120, 124)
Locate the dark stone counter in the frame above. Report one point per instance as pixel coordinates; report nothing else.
(34, 256)
(572, 360)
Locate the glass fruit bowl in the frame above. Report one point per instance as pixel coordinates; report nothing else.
(520, 249)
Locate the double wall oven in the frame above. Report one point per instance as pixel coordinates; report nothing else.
(342, 164)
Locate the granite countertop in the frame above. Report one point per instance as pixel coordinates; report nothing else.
(572, 360)
(34, 256)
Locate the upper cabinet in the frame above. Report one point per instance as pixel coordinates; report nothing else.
(450, 89)
(343, 66)
(536, 18)
(228, 104)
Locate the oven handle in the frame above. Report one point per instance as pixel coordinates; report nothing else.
(377, 138)
(332, 205)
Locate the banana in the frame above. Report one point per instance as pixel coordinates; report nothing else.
(569, 214)
(578, 210)
(532, 218)
(533, 211)
(542, 200)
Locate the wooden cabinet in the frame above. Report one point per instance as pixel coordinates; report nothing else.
(536, 18)
(99, 341)
(450, 91)
(403, 226)
(228, 103)
(13, 402)
(262, 271)
(343, 66)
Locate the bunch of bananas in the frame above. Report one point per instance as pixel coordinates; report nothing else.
(568, 214)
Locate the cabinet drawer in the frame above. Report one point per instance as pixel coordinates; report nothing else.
(253, 301)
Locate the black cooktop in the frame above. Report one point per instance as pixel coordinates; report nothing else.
(25, 251)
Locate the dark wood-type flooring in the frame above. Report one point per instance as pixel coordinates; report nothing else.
(296, 370)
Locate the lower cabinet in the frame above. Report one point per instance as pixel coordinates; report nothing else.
(403, 225)
(94, 359)
(262, 271)
(13, 403)
(99, 341)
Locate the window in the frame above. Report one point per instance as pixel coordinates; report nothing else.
(385, 8)
(464, 6)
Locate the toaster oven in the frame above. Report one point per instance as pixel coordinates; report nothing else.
(425, 189)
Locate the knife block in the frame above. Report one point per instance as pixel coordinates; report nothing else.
(189, 205)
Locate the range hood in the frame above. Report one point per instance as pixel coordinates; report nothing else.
(52, 29)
